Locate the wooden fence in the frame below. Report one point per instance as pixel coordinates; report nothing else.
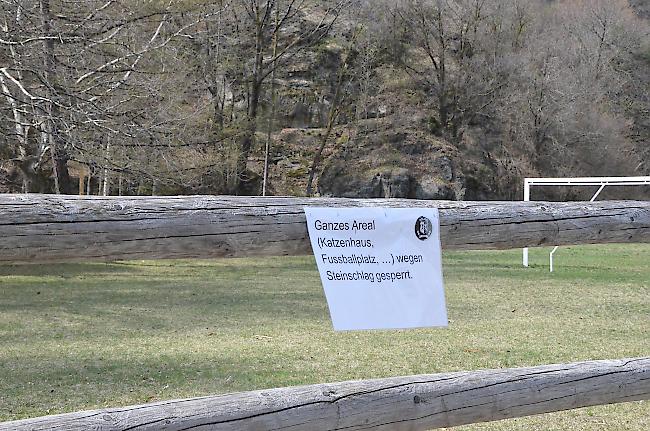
(41, 228)
(399, 403)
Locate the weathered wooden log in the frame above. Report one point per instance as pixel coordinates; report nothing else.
(399, 403)
(41, 228)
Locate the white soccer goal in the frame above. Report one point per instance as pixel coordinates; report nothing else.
(585, 181)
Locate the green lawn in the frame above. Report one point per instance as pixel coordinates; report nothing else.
(82, 336)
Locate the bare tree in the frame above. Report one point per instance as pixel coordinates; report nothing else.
(343, 80)
(255, 41)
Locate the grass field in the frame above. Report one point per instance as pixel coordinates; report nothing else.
(81, 336)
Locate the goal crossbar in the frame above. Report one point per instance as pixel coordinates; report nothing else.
(589, 181)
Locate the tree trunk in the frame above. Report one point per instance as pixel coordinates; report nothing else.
(59, 154)
(120, 181)
(88, 180)
(319, 153)
(267, 147)
(106, 188)
(248, 139)
(60, 161)
(332, 114)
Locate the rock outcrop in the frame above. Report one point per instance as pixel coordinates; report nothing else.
(389, 162)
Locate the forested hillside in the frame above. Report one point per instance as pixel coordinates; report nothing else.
(428, 99)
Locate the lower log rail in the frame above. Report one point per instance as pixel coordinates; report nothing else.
(400, 403)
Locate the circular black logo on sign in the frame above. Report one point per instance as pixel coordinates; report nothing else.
(423, 228)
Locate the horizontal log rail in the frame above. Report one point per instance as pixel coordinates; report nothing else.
(42, 228)
(400, 403)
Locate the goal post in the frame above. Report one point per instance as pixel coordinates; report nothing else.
(602, 182)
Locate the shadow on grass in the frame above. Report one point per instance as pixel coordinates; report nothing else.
(95, 382)
(90, 304)
(65, 270)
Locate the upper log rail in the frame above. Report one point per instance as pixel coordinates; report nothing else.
(42, 228)
(399, 403)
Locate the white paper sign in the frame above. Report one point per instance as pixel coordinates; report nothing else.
(381, 268)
